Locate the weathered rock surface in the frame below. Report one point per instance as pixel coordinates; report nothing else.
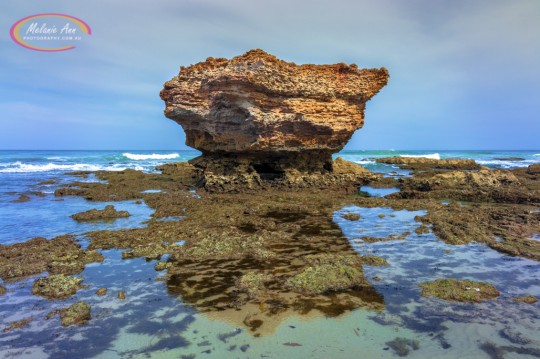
(56, 286)
(423, 163)
(78, 313)
(59, 255)
(491, 185)
(109, 212)
(269, 115)
(533, 169)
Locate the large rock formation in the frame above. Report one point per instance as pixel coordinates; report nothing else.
(256, 113)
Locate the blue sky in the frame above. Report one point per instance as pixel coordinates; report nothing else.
(464, 74)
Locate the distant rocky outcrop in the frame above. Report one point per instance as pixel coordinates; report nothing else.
(257, 114)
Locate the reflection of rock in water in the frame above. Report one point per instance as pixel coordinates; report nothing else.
(211, 285)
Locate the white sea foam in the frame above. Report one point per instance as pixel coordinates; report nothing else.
(506, 163)
(364, 162)
(19, 167)
(434, 156)
(153, 156)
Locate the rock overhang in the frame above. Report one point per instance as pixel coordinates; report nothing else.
(269, 110)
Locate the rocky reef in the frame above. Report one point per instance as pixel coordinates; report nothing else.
(108, 213)
(76, 314)
(459, 290)
(259, 117)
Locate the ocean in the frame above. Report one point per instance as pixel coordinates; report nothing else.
(154, 324)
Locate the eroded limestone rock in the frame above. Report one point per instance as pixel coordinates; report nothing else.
(257, 114)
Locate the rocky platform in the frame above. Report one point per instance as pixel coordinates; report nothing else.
(255, 114)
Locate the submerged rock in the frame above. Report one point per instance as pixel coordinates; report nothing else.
(18, 324)
(255, 114)
(22, 198)
(109, 212)
(3, 290)
(529, 299)
(57, 286)
(403, 346)
(459, 290)
(76, 314)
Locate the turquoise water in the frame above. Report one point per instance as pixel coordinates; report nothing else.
(151, 323)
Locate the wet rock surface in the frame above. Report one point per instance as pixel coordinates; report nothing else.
(459, 290)
(78, 313)
(108, 213)
(57, 286)
(278, 252)
(59, 255)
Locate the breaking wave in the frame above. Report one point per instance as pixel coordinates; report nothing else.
(19, 167)
(153, 156)
(506, 163)
(434, 156)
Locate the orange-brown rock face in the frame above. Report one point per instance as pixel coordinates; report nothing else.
(268, 113)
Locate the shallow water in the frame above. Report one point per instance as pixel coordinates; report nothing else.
(155, 322)
(378, 192)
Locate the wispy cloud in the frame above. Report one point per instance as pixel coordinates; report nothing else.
(451, 64)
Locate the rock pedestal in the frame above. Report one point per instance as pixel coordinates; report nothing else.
(256, 113)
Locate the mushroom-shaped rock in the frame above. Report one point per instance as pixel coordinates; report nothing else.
(257, 113)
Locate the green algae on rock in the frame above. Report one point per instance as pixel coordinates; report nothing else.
(150, 251)
(225, 245)
(328, 273)
(78, 313)
(109, 212)
(233, 231)
(59, 255)
(374, 261)
(459, 290)
(325, 278)
(162, 265)
(56, 286)
(253, 283)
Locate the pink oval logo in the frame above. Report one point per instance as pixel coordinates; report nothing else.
(49, 32)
